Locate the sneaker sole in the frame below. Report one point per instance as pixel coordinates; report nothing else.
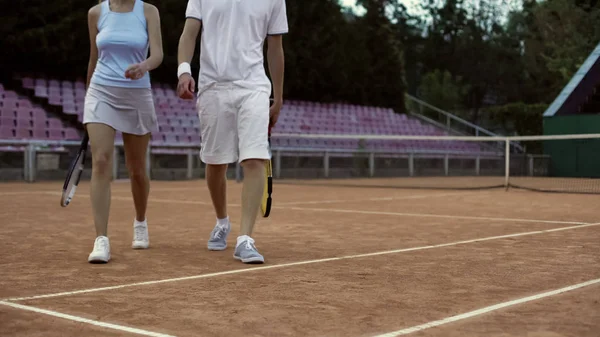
(217, 247)
(98, 259)
(252, 260)
(140, 245)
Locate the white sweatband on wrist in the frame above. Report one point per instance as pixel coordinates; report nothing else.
(184, 68)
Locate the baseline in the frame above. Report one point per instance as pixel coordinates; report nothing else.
(299, 263)
(85, 320)
(485, 310)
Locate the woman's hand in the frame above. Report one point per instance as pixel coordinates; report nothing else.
(136, 71)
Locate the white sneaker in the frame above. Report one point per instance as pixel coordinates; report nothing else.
(101, 252)
(141, 238)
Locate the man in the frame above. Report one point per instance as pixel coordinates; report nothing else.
(233, 100)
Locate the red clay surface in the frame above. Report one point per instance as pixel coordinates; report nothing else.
(573, 314)
(45, 247)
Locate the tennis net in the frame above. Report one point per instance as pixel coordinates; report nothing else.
(545, 163)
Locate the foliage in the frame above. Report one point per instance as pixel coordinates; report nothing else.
(517, 118)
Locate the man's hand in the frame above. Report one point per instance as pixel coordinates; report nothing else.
(186, 86)
(136, 71)
(274, 111)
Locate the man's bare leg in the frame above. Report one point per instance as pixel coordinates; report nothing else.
(252, 191)
(217, 186)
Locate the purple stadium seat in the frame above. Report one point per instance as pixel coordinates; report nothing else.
(10, 95)
(24, 103)
(55, 124)
(72, 134)
(69, 108)
(38, 114)
(66, 84)
(80, 85)
(6, 132)
(23, 134)
(23, 123)
(41, 91)
(41, 82)
(10, 103)
(55, 134)
(28, 83)
(53, 84)
(7, 122)
(1, 88)
(40, 134)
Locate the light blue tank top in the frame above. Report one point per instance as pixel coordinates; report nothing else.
(122, 40)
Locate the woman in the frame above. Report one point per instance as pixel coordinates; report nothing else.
(119, 98)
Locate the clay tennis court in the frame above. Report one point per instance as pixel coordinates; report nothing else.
(340, 261)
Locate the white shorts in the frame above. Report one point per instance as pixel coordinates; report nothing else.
(234, 124)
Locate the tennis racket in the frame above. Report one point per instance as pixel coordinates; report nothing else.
(265, 205)
(74, 173)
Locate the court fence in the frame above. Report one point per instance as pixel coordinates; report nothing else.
(558, 163)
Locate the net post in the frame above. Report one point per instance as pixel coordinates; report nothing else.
(277, 163)
(478, 165)
(29, 163)
(190, 164)
(326, 165)
(506, 163)
(446, 164)
(411, 164)
(115, 168)
(530, 166)
(371, 164)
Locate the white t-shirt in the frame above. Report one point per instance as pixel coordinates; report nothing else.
(233, 35)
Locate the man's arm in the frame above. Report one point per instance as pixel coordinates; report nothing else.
(276, 62)
(185, 53)
(187, 40)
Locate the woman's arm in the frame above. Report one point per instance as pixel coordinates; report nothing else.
(155, 36)
(137, 71)
(93, 15)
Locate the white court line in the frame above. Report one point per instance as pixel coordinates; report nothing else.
(354, 211)
(85, 320)
(426, 215)
(487, 309)
(292, 264)
(313, 202)
(406, 197)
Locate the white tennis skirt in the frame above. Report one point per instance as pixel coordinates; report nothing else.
(129, 110)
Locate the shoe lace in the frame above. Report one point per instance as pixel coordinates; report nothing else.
(250, 244)
(101, 244)
(220, 231)
(139, 231)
